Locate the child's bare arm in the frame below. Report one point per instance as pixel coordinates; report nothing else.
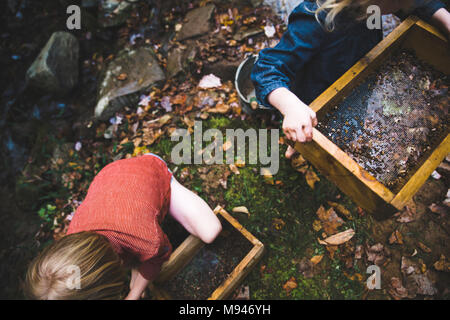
(138, 286)
(193, 213)
(299, 119)
(441, 19)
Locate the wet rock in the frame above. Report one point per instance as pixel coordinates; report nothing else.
(113, 12)
(246, 33)
(224, 69)
(179, 59)
(128, 76)
(197, 22)
(175, 62)
(55, 70)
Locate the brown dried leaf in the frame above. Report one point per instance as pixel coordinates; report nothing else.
(397, 291)
(122, 77)
(442, 264)
(298, 161)
(317, 225)
(311, 178)
(423, 247)
(278, 223)
(316, 259)
(396, 237)
(290, 285)
(234, 169)
(338, 238)
(330, 220)
(341, 209)
(219, 108)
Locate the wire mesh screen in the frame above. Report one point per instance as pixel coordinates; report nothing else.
(393, 120)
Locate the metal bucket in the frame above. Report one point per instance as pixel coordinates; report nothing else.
(245, 88)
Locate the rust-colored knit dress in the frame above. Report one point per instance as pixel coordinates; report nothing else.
(127, 202)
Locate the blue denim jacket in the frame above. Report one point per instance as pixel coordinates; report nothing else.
(308, 59)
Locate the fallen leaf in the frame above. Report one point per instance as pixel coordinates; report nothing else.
(311, 178)
(330, 220)
(378, 254)
(240, 163)
(436, 175)
(396, 237)
(397, 291)
(270, 31)
(234, 169)
(220, 107)
(268, 178)
(341, 209)
(317, 225)
(442, 264)
(166, 104)
(278, 223)
(290, 285)
(423, 247)
(297, 161)
(122, 77)
(210, 81)
(359, 252)
(408, 266)
(179, 99)
(338, 238)
(438, 209)
(407, 215)
(241, 210)
(316, 259)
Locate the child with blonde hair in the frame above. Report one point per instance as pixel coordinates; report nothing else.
(118, 225)
(324, 39)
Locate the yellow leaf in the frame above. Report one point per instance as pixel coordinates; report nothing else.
(317, 225)
(139, 151)
(311, 178)
(240, 163)
(298, 161)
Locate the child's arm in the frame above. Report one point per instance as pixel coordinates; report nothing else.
(138, 286)
(299, 119)
(441, 19)
(193, 213)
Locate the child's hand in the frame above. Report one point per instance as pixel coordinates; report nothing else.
(298, 123)
(299, 119)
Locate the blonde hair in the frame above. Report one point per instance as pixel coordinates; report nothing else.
(100, 272)
(333, 8)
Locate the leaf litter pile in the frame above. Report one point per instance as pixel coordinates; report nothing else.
(393, 120)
